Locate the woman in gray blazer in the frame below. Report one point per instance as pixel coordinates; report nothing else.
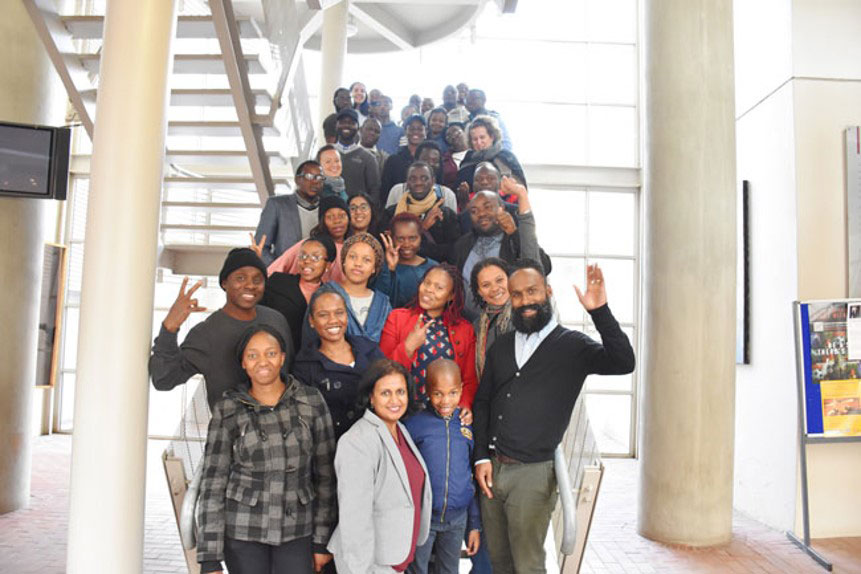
(384, 494)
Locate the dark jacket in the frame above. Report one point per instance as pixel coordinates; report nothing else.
(505, 161)
(395, 171)
(280, 223)
(446, 446)
(509, 251)
(285, 296)
(337, 383)
(268, 472)
(438, 241)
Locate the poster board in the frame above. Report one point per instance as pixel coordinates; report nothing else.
(830, 333)
(828, 372)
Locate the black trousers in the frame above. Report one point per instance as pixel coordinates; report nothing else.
(294, 557)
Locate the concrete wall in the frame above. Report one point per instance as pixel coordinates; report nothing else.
(798, 85)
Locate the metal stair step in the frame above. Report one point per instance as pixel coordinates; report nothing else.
(240, 183)
(90, 27)
(218, 157)
(212, 129)
(194, 259)
(187, 63)
(221, 205)
(200, 97)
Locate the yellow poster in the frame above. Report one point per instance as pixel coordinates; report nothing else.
(841, 407)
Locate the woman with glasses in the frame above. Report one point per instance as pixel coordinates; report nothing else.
(363, 216)
(289, 293)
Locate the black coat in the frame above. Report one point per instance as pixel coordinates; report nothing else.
(284, 295)
(337, 383)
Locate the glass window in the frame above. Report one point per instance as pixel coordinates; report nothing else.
(557, 210)
(612, 136)
(612, 223)
(610, 417)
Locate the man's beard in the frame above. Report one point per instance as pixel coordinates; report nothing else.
(544, 312)
(489, 232)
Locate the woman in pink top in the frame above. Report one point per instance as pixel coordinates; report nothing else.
(334, 222)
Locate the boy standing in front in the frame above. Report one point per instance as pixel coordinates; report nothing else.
(446, 445)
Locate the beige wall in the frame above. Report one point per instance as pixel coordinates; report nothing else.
(798, 86)
(822, 110)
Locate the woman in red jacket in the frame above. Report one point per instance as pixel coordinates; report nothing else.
(433, 327)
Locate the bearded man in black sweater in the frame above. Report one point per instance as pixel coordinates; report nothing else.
(531, 380)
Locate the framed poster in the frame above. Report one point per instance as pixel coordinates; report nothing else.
(831, 373)
(50, 313)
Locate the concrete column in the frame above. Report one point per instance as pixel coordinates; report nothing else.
(333, 52)
(31, 93)
(688, 362)
(106, 518)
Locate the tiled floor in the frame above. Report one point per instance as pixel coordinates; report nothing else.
(615, 547)
(33, 540)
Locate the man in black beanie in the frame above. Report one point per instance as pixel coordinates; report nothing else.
(210, 347)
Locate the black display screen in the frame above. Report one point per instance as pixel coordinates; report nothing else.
(25, 160)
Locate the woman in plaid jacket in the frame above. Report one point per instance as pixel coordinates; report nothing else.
(267, 499)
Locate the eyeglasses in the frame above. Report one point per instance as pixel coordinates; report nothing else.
(312, 176)
(375, 104)
(315, 258)
(360, 207)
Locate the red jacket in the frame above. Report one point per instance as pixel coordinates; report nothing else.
(402, 321)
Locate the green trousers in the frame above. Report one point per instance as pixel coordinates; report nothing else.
(517, 518)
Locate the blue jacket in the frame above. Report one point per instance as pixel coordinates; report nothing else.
(446, 446)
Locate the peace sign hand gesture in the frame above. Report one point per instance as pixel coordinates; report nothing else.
(184, 306)
(596, 293)
(391, 251)
(257, 247)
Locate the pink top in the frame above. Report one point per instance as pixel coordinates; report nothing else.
(288, 262)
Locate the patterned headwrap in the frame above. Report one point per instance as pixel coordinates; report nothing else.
(370, 240)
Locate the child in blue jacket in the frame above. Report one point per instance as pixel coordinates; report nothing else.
(446, 445)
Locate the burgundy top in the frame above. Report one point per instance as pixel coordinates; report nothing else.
(416, 475)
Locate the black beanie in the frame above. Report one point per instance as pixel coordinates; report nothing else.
(240, 257)
(331, 202)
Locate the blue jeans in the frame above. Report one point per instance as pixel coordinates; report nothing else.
(444, 541)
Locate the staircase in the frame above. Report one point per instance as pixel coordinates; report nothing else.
(238, 117)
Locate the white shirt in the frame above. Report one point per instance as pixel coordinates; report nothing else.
(525, 344)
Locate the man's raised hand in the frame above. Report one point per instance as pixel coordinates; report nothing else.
(596, 293)
(184, 306)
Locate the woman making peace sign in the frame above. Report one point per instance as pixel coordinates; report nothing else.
(433, 327)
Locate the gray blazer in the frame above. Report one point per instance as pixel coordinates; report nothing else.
(375, 506)
(280, 222)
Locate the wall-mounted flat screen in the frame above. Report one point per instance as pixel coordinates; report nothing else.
(34, 161)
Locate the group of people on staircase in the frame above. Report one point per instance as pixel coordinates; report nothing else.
(387, 378)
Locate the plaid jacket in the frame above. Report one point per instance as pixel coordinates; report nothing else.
(268, 472)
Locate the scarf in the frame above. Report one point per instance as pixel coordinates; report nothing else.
(417, 207)
(500, 318)
(476, 157)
